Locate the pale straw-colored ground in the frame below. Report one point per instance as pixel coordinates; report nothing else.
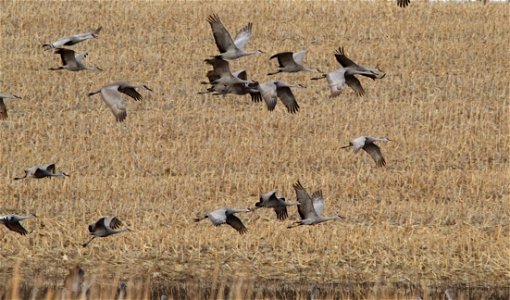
(438, 214)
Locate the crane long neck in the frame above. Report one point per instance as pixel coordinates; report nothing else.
(311, 69)
(61, 174)
(323, 219)
(233, 211)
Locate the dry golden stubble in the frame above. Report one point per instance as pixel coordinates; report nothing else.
(438, 210)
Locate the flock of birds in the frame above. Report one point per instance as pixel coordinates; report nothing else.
(222, 82)
(309, 207)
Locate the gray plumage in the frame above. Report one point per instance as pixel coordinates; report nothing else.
(224, 82)
(272, 90)
(72, 61)
(112, 96)
(306, 208)
(270, 200)
(105, 226)
(13, 222)
(367, 143)
(42, 171)
(221, 72)
(230, 48)
(291, 62)
(339, 78)
(226, 216)
(73, 39)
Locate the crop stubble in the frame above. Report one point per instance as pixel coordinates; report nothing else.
(437, 213)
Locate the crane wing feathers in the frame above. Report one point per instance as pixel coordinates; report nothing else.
(67, 56)
(305, 207)
(219, 65)
(298, 56)
(241, 74)
(131, 92)
(212, 76)
(269, 96)
(284, 58)
(281, 212)
(113, 99)
(355, 84)
(221, 35)
(403, 3)
(243, 36)
(50, 167)
(39, 173)
(343, 59)
(285, 94)
(65, 41)
(256, 97)
(236, 223)
(114, 223)
(318, 202)
(375, 153)
(16, 227)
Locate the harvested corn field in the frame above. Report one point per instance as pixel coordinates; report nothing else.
(435, 217)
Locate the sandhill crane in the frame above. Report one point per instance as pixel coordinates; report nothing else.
(272, 90)
(270, 200)
(250, 87)
(317, 201)
(42, 171)
(367, 143)
(72, 61)
(223, 82)
(236, 89)
(73, 39)
(105, 226)
(111, 95)
(230, 49)
(221, 72)
(307, 212)
(403, 3)
(291, 62)
(339, 78)
(12, 222)
(226, 216)
(3, 108)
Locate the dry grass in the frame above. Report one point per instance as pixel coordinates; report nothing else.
(437, 215)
